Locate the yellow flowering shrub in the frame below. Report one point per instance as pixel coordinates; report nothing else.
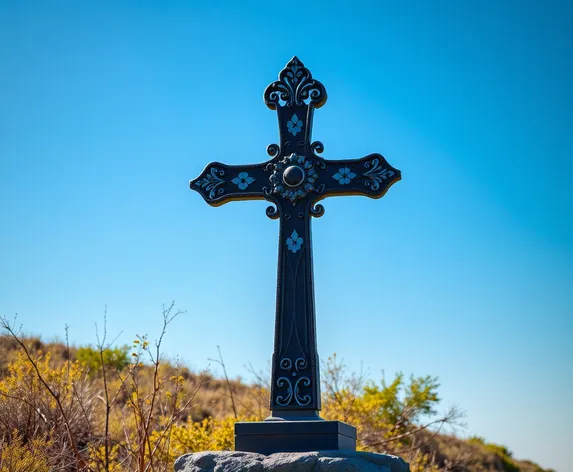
(32, 456)
(97, 458)
(195, 436)
(422, 463)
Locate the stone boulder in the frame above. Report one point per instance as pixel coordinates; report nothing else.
(323, 461)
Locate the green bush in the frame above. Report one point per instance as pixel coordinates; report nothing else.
(91, 359)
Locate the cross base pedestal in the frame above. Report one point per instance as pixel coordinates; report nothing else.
(268, 437)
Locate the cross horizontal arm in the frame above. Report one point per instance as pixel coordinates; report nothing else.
(221, 183)
(371, 176)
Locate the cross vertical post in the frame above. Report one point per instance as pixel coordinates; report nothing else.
(294, 179)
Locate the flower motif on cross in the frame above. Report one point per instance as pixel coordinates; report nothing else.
(294, 125)
(243, 180)
(344, 176)
(294, 242)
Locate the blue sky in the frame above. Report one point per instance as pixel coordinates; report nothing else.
(464, 270)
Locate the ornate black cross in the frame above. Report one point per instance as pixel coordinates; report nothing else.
(295, 179)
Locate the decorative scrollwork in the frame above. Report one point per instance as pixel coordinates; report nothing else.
(273, 150)
(272, 212)
(284, 400)
(317, 210)
(295, 86)
(317, 147)
(293, 392)
(211, 181)
(300, 363)
(302, 400)
(376, 174)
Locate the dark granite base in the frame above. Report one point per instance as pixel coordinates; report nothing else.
(268, 437)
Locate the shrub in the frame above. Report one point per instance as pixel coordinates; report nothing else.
(32, 456)
(114, 358)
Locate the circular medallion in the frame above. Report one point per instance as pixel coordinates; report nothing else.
(293, 176)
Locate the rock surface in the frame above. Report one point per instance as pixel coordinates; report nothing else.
(323, 461)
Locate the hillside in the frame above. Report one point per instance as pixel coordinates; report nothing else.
(60, 410)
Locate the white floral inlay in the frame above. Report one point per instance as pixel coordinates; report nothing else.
(294, 125)
(344, 176)
(243, 180)
(294, 242)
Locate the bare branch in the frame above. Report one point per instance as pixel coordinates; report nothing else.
(221, 362)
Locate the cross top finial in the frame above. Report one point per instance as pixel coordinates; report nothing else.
(295, 87)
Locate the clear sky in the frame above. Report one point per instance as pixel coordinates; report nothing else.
(464, 270)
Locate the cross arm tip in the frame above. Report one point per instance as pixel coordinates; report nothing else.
(220, 183)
